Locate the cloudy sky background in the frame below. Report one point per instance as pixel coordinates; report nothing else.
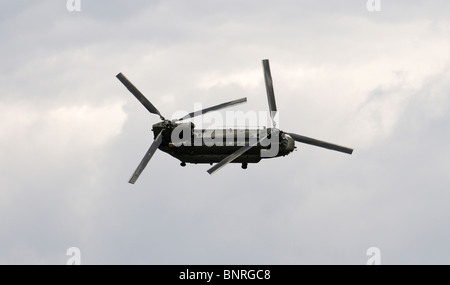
(71, 135)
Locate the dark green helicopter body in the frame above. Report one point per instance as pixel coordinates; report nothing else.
(220, 146)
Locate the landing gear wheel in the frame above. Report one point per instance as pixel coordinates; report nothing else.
(244, 165)
(183, 164)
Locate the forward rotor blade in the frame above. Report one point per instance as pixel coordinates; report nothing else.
(213, 108)
(146, 158)
(319, 143)
(234, 155)
(269, 90)
(144, 101)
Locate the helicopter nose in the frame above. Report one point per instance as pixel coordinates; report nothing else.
(290, 146)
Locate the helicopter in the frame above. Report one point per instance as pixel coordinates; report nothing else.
(190, 145)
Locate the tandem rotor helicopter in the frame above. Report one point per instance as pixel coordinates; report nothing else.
(246, 146)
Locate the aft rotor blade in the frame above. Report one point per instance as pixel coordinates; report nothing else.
(144, 101)
(146, 158)
(230, 158)
(234, 155)
(213, 108)
(269, 90)
(319, 143)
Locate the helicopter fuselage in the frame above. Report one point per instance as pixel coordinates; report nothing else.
(213, 145)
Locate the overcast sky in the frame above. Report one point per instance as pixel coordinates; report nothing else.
(71, 135)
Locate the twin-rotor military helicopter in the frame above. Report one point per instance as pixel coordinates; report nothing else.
(246, 146)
